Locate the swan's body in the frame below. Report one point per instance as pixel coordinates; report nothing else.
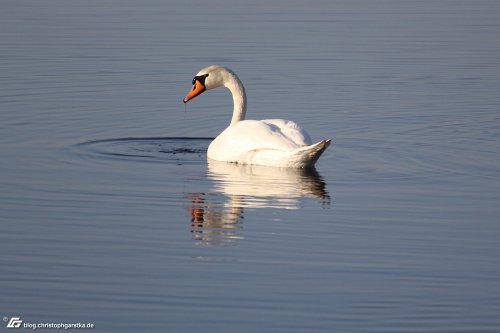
(270, 142)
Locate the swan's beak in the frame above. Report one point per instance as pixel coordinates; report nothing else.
(197, 89)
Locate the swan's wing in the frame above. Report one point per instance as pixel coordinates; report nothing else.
(291, 130)
(246, 136)
(259, 134)
(266, 142)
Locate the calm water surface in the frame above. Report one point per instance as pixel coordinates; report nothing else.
(110, 213)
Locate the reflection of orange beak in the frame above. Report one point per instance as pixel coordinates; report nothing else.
(197, 89)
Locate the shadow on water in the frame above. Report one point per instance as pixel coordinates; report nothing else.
(217, 209)
(217, 215)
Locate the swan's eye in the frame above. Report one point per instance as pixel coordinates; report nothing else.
(200, 78)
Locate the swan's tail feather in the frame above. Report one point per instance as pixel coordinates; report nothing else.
(309, 155)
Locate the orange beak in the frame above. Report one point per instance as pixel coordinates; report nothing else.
(197, 89)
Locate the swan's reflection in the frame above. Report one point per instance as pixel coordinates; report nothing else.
(217, 215)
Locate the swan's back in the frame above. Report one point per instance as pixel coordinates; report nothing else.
(291, 130)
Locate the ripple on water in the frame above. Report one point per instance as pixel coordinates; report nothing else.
(408, 160)
(170, 150)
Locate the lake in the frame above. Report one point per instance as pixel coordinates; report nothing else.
(111, 214)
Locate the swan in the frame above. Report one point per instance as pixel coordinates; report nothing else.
(268, 142)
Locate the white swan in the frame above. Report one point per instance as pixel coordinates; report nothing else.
(269, 142)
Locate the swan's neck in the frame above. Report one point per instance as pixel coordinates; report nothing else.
(239, 99)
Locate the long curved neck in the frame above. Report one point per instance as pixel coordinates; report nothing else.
(239, 98)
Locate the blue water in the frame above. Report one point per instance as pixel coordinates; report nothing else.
(111, 214)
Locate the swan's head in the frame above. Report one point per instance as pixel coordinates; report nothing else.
(209, 78)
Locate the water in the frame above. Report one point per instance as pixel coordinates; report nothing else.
(110, 213)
